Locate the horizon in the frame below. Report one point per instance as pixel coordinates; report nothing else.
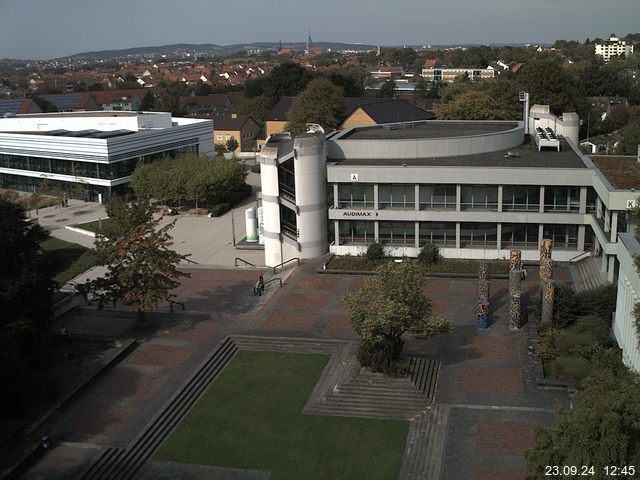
(70, 27)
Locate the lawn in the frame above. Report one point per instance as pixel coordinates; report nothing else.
(251, 417)
(95, 225)
(69, 259)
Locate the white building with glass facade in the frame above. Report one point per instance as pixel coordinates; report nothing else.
(614, 47)
(99, 150)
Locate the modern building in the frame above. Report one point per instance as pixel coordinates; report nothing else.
(439, 73)
(475, 189)
(613, 47)
(98, 150)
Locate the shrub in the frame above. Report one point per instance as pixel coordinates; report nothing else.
(566, 307)
(375, 251)
(570, 369)
(545, 346)
(428, 254)
(597, 327)
(569, 342)
(220, 209)
(599, 301)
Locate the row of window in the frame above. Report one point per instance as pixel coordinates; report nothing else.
(443, 234)
(110, 171)
(472, 197)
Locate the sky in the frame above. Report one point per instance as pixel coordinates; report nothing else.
(43, 29)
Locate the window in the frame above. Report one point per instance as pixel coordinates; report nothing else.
(479, 197)
(478, 234)
(521, 198)
(355, 195)
(398, 196)
(562, 199)
(219, 136)
(356, 233)
(227, 136)
(592, 197)
(437, 196)
(563, 237)
(397, 233)
(288, 222)
(437, 233)
(519, 235)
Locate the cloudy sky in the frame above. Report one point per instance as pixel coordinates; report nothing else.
(41, 29)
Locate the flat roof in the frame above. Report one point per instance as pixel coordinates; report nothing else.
(524, 156)
(427, 129)
(623, 173)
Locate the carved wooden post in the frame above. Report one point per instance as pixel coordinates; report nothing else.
(482, 315)
(548, 296)
(515, 309)
(515, 260)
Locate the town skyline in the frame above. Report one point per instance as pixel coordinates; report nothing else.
(70, 27)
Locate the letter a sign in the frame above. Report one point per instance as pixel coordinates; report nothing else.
(354, 177)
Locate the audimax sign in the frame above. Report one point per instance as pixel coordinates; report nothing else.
(359, 213)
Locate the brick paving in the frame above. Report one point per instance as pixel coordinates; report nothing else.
(486, 377)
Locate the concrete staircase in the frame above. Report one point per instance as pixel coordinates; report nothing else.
(426, 443)
(123, 463)
(586, 274)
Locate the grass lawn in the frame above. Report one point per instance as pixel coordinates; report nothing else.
(69, 259)
(251, 417)
(93, 226)
(444, 265)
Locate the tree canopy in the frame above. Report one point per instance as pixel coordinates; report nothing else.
(390, 304)
(141, 266)
(322, 102)
(472, 105)
(26, 289)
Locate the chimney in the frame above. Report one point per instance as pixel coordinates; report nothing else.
(234, 115)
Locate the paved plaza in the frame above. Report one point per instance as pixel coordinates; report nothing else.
(486, 386)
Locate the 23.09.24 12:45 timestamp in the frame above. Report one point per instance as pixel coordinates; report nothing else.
(573, 471)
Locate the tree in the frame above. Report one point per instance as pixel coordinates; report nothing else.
(603, 430)
(232, 144)
(256, 107)
(388, 89)
(629, 139)
(26, 289)
(141, 267)
(472, 105)
(548, 83)
(148, 102)
(389, 305)
(322, 102)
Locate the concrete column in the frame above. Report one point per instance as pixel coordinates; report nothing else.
(614, 226)
(458, 198)
(417, 231)
(375, 230)
(375, 203)
(603, 263)
(541, 210)
(598, 208)
(336, 232)
(540, 233)
(499, 236)
(499, 201)
(457, 234)
(417, 198)
(581, 236)
(336, 203)
(612, 268)
(583, 200)
(607, 220)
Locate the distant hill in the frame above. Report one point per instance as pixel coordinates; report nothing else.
(181, 49)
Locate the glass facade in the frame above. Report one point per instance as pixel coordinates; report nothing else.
(355, 195)
(356, 233)
(286, 179)
(479, 197)
(437, 196)
(519, 235)
(400, 196)
(438, 233)
(478, 234)
(397, 233)
(562, 199)
(521, 198)
(563, 237)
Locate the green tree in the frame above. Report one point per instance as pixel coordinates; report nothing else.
(256, 107)
(472, 105)
(603, 430)
(141, 266)
(388, 89)
(389, 305)
(548, 83)
(322, 102)
(629, 139)
(232, 144)
(148, 102)
(26, 289)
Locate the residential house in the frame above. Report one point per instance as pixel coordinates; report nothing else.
(241, 127)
